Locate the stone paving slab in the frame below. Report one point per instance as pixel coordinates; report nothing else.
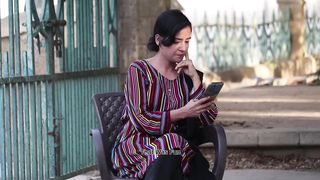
(242, 174)
(272, 137)
(256, 174)
(270, 107)
(271, 116)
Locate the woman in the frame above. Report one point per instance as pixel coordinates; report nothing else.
(158, 97)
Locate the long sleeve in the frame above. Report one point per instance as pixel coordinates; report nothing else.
(144, 120)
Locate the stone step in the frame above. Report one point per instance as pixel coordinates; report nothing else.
(279, 137)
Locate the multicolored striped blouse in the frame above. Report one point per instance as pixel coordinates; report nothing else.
(148, 131)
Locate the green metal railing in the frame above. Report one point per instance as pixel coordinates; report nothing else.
(227, 45)
(312, 33)
(45, 118)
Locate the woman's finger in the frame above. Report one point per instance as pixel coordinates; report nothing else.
(206, 106)
(203, 100)
(180, 65)
(179, 70)
(184, 63)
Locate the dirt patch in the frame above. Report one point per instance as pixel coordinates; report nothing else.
(250, 159)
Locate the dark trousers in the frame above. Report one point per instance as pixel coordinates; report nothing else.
(165, 167)
(168, 167)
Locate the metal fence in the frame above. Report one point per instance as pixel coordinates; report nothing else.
(45, 99)
(312, 33)
(225, 45)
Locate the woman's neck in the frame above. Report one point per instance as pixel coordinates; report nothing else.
(163, 65)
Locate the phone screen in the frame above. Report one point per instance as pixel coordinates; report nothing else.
(213, 89)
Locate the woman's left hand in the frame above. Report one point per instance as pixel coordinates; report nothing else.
(187, 67)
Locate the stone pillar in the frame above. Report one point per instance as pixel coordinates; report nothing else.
(296, 25)
(299, 64)
(135, 26)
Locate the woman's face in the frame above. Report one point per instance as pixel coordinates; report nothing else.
(176, 52)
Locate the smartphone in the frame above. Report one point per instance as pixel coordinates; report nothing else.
(213, 89)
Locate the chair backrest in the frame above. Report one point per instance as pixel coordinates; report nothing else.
(109, 107)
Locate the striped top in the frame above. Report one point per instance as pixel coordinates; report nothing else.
(148, 131)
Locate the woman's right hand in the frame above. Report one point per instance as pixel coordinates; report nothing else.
(192, 109)
(197, 106)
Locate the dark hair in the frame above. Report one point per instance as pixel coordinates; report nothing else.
(168, 24)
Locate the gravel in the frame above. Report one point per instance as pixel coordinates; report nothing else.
(250, 159)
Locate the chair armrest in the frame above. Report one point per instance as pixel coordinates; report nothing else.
(216, 135)
(100, 155)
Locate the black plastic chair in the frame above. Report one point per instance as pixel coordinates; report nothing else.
(109, 107)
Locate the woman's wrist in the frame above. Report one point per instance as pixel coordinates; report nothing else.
(196, 82)
(177, 114)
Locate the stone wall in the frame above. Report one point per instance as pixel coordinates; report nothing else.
(135, 26)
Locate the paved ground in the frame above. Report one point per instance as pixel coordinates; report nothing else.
(251, 174)
(257, 174)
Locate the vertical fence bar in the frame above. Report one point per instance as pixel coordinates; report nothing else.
(65, 128)
(82, 134)
(72, 121)
(87, 58)
(94, 34)
(6, 120)
(14, 130)
(71, 35)
(38, 129)
(77, 126)
(115, 39)
(98, 33)
(0, 49)
(17, 38)
(30, 46)
(21, 137)
(51, 123)
(26, 108)
(63, 124)
(59, 110)
(86, 116)
(84, 35)
(2, 124)
(77, 65)
(32, 129)
(69, 128)
(11, 39)
(8, 128)
(24, 64)
(44, 134)
(91, 90)
(80, 35)
(91, 35)
(106, 32)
